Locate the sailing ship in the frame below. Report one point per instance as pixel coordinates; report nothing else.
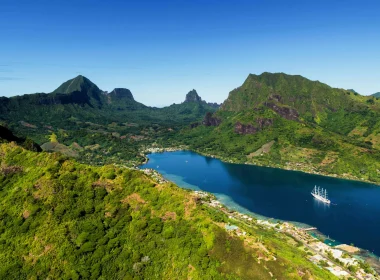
(320, 194)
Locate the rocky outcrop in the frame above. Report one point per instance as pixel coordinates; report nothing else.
(264, 122)
(284, 111)
(193, 96)
(261, 123)
(245, 128)
(119, 93)
(209, 120)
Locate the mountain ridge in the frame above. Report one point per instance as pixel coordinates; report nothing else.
(79, 83)
(315, 128)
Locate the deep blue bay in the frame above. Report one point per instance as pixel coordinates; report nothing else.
(353, 217)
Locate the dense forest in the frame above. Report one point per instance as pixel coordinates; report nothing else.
(64, 220)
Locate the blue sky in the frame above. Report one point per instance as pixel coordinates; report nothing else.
(162, 49)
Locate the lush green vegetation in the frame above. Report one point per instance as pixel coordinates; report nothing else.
(307, 125)
(291, 122)
(96, 126)
(61, 219)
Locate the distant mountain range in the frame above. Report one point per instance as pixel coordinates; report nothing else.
(272, 119)
(81, 98)
(376, 94)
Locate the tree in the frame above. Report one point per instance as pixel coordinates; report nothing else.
(53, 138)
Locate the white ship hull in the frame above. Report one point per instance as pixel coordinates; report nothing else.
(321, 198)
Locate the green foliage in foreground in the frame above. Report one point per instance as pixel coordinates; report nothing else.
(63, 220)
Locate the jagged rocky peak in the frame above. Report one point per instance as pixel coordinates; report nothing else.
(79, 83)
(121, 93)
(193, 96)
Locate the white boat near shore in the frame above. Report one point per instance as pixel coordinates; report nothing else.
(320, 194)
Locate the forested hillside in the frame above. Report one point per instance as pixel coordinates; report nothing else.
(80, 120)
(291, 122)
(63, 220)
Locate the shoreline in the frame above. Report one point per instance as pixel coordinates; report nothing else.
(337, 176)
(337, 258)
(362, 253)
(185, 148)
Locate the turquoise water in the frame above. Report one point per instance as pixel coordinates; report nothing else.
(353, 217)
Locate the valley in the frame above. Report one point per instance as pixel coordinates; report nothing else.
(308, 125)
(79, 141)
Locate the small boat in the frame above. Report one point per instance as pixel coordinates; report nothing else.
(320, 194)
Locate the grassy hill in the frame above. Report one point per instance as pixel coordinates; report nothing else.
(65, 220)
(291, 122)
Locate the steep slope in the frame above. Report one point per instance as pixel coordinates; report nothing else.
(376, 94)
(307, 97)
(291, 122)
(64, 220)
(338, 110)
(79, 83)
(192, 96)
(7, 136)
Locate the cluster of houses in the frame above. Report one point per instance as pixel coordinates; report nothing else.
(334, 259)
(154, 175)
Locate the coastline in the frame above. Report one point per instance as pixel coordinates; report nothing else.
(277, 166)
(349, 177)
(363, 253)
(337, 257)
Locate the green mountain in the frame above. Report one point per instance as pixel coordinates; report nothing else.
(94, 125)
(294, 123)
(65, 220)
(307, 97)
(81, 99)
(377, 94)
(77, 84)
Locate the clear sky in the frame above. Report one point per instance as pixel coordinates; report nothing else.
(162, 49)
